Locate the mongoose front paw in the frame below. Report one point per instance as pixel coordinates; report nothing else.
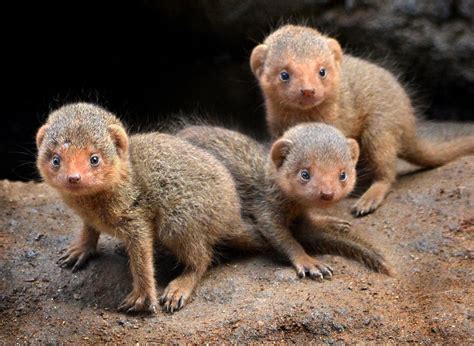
(76, 256)
(138, 301)
(174, 298)
(307, 265)
(366, 205)
(339, 225)
(371, 199)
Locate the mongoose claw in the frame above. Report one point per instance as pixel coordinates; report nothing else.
(332, 224)
(172, 305)
(75, 257)
(173, 299)
(369, 201)
(314, 269)
(340, 225)
(358, 212)
(138, 302)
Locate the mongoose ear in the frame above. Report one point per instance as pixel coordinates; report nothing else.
(40, 135)
(354, 148)
(280, 150)
(120, 138)
(335, 49)
(257, 59)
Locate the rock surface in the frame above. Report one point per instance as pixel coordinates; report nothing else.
(425, 227)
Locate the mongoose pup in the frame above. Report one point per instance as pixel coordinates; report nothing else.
(312, 166)
(305, 76)
(141, 189)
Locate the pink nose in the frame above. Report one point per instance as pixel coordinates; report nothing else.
(307, 92)
(74, 178)
(326, 196)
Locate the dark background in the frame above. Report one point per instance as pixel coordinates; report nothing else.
(145, 60)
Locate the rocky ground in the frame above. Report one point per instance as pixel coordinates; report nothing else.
(425, 228)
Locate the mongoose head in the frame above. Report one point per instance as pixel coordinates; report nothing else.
(297, 67)
(82, 150)
(314, 164)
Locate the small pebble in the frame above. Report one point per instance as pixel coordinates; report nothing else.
(30, 254)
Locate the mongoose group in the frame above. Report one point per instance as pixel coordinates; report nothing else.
(207, 186)
(305, 76)
(311, 166)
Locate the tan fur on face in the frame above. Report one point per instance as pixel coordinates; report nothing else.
(76, 161)
(323, 159)
(288, 93)
(302, 61)
(323, 180)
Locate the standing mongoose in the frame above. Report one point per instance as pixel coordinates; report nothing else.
(305, 76)
(143, 189)
(312, 166)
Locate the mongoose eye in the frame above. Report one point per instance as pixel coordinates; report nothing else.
(56, 161)
(304, 174)
(284, 76)
(343, 176)
(322, 72)
(94, 160)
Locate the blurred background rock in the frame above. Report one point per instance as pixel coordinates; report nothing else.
(147, 59)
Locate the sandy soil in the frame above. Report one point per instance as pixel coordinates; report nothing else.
(425, 228)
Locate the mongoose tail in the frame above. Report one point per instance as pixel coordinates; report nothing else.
(431, 154)
(350, 246)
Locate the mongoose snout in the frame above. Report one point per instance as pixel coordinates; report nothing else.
(307, 92)
(327, 195)
(74, 178)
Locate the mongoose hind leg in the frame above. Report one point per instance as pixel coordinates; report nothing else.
(80, 250)
(380, 147)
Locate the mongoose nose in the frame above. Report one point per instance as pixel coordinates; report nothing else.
(307, 92)
(74, 178)
(326, 196)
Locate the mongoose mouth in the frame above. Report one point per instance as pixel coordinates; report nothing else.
(307, 103)
(323, 204)
(76, 188)
(73, 187)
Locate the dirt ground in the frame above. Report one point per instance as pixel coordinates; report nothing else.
(425, 228)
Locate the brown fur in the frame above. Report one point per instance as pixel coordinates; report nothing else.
(147, 188)
(280, 204)
(363, 100)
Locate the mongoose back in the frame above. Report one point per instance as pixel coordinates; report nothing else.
(305, 76)
(312, 166)
(142, 189)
